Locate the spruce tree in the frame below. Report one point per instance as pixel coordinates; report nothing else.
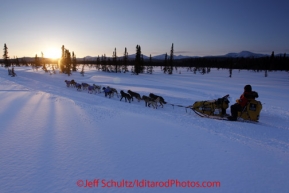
(98, 63)
(142, 64)
(6, 57)
(43, 63)
(170, 70)
(272, 58)
(62, 60)
(36, 62)
(62, 51)
(67, 62)
(125, 60)
(165, 68)
(104, 63)
(73, 62)
(150, 66)
(114, 60)
(137, 60)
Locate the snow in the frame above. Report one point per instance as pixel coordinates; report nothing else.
(52, 137)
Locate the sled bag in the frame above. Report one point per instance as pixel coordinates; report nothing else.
(251, 111)
(212, 107)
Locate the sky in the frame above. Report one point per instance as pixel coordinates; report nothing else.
(97, 27)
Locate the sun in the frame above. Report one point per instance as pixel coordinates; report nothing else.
(52, 53)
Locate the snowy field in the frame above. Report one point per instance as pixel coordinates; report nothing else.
(56, 139)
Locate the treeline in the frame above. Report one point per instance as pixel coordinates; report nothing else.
(272, 62)
(120, 64)
(169, 65)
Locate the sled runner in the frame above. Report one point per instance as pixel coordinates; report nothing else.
(224, 118)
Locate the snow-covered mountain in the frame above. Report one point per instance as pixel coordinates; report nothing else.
(245, 54)
(176, 57)
(242, 54)
(132, 56)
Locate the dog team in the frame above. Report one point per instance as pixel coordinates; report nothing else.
(151, 100)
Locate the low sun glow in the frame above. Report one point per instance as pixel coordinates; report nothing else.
(52, 53)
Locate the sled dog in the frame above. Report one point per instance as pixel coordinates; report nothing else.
(134, 94)
(126, 96)
(149, 101)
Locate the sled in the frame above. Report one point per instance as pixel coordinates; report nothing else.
(215, 107)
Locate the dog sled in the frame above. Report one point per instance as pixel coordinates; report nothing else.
(216, 109)
(211, 107)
